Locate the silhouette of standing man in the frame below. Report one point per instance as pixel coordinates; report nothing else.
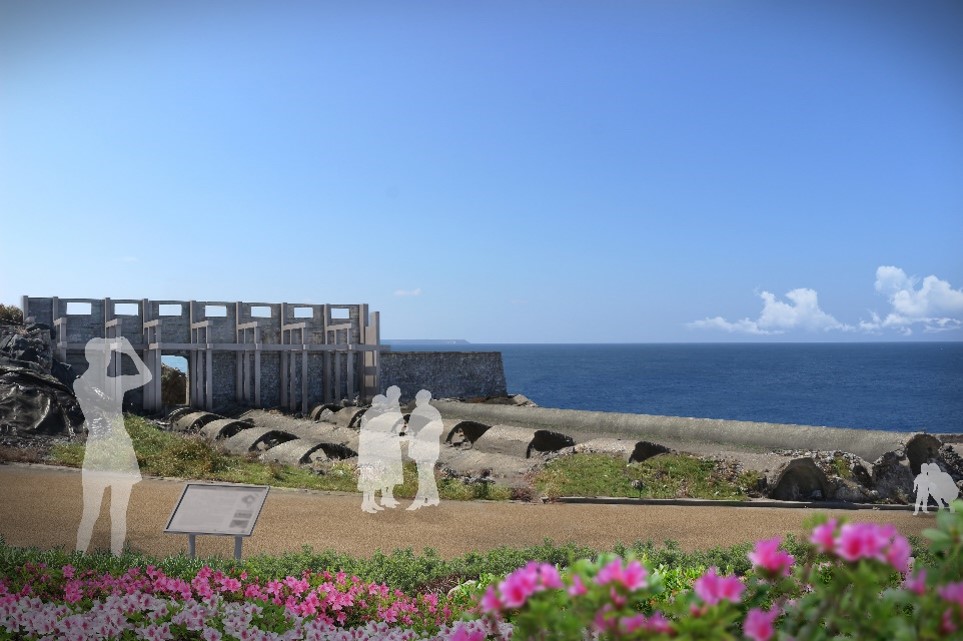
(109, 459)
(425, 423)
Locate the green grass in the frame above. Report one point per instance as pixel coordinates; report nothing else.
(169, 454)
(662, 476)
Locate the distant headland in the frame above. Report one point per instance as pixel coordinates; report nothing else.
(425, 341)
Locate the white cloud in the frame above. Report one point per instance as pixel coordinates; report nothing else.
(934, 305)
(777, 317)
(408, 292)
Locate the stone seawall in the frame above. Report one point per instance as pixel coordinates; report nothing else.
(444, 374)
(869, 444)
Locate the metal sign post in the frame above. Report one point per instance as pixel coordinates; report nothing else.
(218, 510)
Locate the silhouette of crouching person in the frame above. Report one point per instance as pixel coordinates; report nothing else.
(109, 458)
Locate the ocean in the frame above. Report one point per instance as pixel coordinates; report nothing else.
(884, 386)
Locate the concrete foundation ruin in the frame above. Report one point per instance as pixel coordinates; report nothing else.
(292, 356)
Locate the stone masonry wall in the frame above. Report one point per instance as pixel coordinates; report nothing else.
(444, 374)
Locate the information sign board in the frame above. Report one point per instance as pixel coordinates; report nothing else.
(210, 508)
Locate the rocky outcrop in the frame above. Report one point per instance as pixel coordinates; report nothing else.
(36, 390)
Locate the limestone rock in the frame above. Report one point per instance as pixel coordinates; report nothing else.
(893, 478)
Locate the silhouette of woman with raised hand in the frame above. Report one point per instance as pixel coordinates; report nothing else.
(109, 459)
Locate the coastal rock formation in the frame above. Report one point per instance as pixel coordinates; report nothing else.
(893, 478)
(36, 390)
(799, 479)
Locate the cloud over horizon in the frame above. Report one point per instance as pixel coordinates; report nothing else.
(777, 317)
(934, 305)
(408, 292)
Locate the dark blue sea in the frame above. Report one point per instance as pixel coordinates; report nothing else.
(886, 386)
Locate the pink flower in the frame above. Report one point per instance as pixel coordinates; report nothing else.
(461, 634)
(758, 625)
(632, 576)
(656, 623)
(770, 558)
(712, 588)
(490, 601)
(577, 588)
(898, 554)
(549, 576)
(917, 583)
(860, 541)
(952, 592)
(632, 623)
(823, 536)
(519, 585)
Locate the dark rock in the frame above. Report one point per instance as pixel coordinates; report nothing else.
(36, 397)
(799, 480)
(893, 478)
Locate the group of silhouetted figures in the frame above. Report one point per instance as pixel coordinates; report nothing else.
(380, 461)
(932, 481)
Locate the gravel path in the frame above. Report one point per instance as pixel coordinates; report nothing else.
(41, 506)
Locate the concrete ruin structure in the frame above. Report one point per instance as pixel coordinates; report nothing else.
(292, 356)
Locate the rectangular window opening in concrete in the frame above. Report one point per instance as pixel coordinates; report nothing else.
(215, 311)
(126, 309)
(303, 312)
(340, 313)
(260, 311)
(78, 309)
(170, 310)
(175, 383)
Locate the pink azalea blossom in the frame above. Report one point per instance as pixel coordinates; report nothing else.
(759, 625)
(916, 583)
(770, 558)
(633, 575)
(577, 588)
(898, 554)
(859, 541)
(490, 601)
(712, 588)
(824, 536)
(952, 592)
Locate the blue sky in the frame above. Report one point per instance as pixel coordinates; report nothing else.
(496, 171)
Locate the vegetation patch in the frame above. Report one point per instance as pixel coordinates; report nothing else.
(188, 456)
(659, 477)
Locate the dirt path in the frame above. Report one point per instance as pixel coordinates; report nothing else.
(41, 506)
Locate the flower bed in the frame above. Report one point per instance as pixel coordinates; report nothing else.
(853, 580)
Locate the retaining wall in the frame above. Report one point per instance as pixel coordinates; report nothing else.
(585, 425)
(444, 374)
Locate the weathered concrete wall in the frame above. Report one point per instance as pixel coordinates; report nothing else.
(444, 374)
(223, 342)
(585, 425)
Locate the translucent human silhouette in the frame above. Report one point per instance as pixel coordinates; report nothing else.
(109, 459)
(394, 471)
(932, 481)
(379, 452)
(424, 438)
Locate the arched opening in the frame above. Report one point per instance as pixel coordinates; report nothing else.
(800, 480)
(174, 381)
(922, 448)
(645, 450)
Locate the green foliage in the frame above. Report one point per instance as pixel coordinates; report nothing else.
(411, 572)
(169, 454)
(662, 476)
(11, 314)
